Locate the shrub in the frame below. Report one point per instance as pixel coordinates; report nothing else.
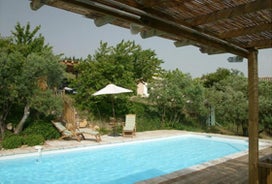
(103, 131)
(12, 142)
(8, 134)
(147, 124)
(46, 129)
(34, 139)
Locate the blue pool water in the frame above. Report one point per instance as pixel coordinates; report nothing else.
(123, 163)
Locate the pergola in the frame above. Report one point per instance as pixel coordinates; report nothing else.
(240, 27)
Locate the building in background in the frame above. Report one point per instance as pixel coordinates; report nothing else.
(142, 89)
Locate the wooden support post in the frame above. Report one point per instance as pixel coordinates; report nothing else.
(253, 117)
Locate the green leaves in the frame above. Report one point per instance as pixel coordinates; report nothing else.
(9, 74)
(26, 40)
(28, 69)
(46, 103)
(228, 95)
(265, 105)
(176, 96)
(124, 65)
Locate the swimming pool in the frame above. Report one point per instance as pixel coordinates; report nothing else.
(118, 163)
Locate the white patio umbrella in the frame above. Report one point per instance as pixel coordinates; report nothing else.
(111, 89)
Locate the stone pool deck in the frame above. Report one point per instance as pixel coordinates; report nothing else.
(90, 141)
(232, 169)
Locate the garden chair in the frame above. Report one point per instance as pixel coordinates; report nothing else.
(89, 131)
(129, 128)
(67, 133)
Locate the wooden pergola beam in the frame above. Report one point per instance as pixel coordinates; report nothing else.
(142, 18)
(150, 3)
(36, 4)
(246, 31)
(210, 51)
(231, 12)
(135, 28)
(194, 35)
(103, 9)
(260, 44)
(202, 48)
(101, 21)
(150, 33)
(183, 42)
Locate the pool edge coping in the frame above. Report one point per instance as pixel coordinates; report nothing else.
(32, 150)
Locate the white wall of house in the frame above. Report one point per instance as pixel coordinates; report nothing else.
(142, 89)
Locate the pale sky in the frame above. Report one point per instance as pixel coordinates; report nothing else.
(75, 35)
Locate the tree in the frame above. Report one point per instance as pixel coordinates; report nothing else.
(229, 98)
(210, 79)
(29, 66)
(40, 73)
(27, 41)
(265, 105)
(10, 61)
(177, 97)
(123, 65)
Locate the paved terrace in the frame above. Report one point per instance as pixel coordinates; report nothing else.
(232, 169)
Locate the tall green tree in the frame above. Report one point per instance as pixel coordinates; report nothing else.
(123, 65)
(212, 78)
(178, 97)
(29, 69)
(41, 74)
(229, 98)
(27, 40)
(10, 61)
(265, 106)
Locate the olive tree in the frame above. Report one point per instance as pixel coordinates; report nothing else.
(178, 97)
(28, 69)
(230, 99)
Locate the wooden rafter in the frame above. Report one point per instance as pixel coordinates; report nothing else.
(253, 6)
(193, 35)
(123, 14)
(36, 4)
(142, 18)
(101, 21)
(251, 19)
(150, 3)
(102, 9)
(135, 28)
(260, 44)
(210, 51)
(183, 42)
(246, 31)
(151, 32)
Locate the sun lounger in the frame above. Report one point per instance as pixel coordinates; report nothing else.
(129, 129)
(67, 133)
(91, 132)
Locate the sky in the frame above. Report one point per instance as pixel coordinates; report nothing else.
(77, 36)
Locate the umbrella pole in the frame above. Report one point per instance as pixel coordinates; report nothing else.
(112, 106)
(113, 114)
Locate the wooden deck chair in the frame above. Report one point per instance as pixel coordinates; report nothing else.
(67, 133)
(129, 129)
(91, 132)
